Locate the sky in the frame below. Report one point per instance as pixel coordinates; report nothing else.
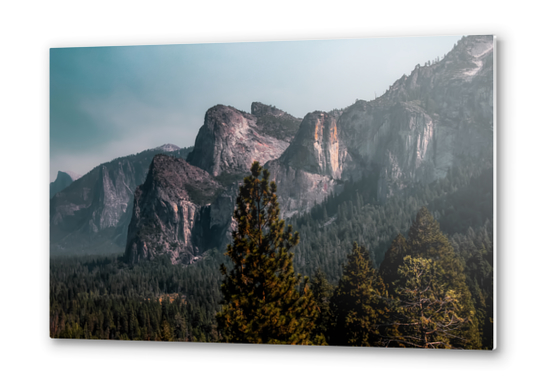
(107, 102)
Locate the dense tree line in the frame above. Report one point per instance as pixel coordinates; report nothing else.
(101, 297)
(461, 200)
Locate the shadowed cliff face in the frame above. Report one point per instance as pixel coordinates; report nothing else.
(172, 217)
(92, 214)
(230, 140)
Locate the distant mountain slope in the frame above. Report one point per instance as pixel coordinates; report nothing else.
(91, 215)
(63, 180)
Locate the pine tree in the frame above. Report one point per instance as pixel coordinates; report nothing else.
(427, 242)
(393, 259)
(264, 301)
(429, 314)
(322, 291)
(359, 304)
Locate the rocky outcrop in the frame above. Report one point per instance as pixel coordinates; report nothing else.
(63, 180)
(172, 215)
(230, 140)
(315, 148)
(310, 169)
(91, 216)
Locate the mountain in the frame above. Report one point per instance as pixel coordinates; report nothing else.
(172, 216)
(92, 214)
(230, 140)
(185, 208)
(439, 115)
(63, 180)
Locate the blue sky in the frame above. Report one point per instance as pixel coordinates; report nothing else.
(107, 102)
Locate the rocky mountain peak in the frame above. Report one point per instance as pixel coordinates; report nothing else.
(167, 148)
(92, 214)
(230, 141)
(181, 180)
(475, 46)
(275, 122)
(63, 180)
(171, 215)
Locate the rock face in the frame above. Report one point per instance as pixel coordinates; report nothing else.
(91, 215)
(424, 124)
(315, 149)
(172, 216)
(230, 140)
(63, 180)
(309, 169)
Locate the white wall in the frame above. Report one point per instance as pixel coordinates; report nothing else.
(27, 31)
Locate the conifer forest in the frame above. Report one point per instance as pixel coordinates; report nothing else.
(413, 272)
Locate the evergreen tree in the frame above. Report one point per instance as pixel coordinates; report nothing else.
(359, 304)
(393, 259)
(264, 301)
(427, 241)
(429, 314)
(322, 291)
(432, 254)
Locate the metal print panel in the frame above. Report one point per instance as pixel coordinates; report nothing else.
(335, 192)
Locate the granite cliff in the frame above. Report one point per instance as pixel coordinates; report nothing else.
(426, 122)
(311, 167)
(231, 140)
(172, 216)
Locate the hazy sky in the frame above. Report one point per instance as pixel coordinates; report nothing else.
(108, 102)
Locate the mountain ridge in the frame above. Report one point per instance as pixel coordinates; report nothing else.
(424, 124)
